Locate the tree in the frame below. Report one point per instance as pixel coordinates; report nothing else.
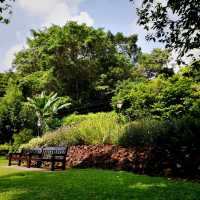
(154, 63)
(10, 106)
(87, 63)
(45, 106)
(5, 10)
(160, 97)
(174, 22)
(4, 79)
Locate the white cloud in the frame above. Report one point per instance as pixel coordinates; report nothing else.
(10, 54)
(59, 15)
(83, 17)
(57, 11)
(39, 7)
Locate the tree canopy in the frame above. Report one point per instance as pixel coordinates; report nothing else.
(174, 22)
(86, 63)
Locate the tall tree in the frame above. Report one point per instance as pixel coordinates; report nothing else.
(154, 63)
(174, 22)
(86, 62)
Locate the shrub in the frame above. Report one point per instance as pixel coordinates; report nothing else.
(22, 137)
(60, 137)
(173, 134)
(142, 132)
(74, 119)
(185, 132)
(100, 128)
(4, 148)
(159, 98)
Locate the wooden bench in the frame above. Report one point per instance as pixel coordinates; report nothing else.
(18, 157)
(48, 154)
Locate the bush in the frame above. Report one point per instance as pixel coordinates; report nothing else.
(60, 137)
(173, 134)
(100, 128)
(4, 149)
(74, 119)
(159, 98)
(21, 138)
(185, 132)
(142, 132)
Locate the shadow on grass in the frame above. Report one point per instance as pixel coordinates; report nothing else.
(90, 184)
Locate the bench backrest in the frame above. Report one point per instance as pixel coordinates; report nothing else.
(58, 151)
(35, 151)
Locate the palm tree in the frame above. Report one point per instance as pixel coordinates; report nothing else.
(46, 106)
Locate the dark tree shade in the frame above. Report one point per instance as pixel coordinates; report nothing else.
(174, 22)
(5, 10)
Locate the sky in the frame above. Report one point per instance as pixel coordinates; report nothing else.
(113, 15)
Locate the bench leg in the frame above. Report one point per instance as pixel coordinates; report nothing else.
(9, 161)
(52, 163)
(29, 162)
(39, 164)
(64, 164)
(19, 163)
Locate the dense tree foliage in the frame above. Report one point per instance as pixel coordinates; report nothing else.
(175, 22)
(84, 63)
(5, 10)
(154, 63)
(4, 79)
(10, 106)
(92, 69)
(160, 97)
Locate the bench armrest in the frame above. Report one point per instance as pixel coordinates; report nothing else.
(14, 153)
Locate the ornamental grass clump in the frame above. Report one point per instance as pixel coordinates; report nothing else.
(54, 138)
(101, 128)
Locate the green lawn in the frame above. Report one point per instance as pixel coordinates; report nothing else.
(90, 184)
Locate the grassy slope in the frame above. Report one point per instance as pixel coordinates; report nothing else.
(90, 184)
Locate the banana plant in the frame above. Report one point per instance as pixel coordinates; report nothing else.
(46, 106)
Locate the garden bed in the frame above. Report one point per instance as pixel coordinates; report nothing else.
(149, 160)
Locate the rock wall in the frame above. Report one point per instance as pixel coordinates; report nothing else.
(149, 160)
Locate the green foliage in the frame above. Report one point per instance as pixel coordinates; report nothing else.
(100, 128)
(60, 137)
(37, 82)
(75, 119)
(46, 106)
(137, 97)
(10, 106)
(159, 97)
(84, 63)
(4, 148)
(162, 133)
(142, 133)
(22, 137)
(172, 22)
(28, 118)
(4, 80)
(192, 71)
(155, 63)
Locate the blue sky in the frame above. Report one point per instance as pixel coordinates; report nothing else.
(114, 15)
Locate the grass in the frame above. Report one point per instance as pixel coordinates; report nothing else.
(90, 184)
